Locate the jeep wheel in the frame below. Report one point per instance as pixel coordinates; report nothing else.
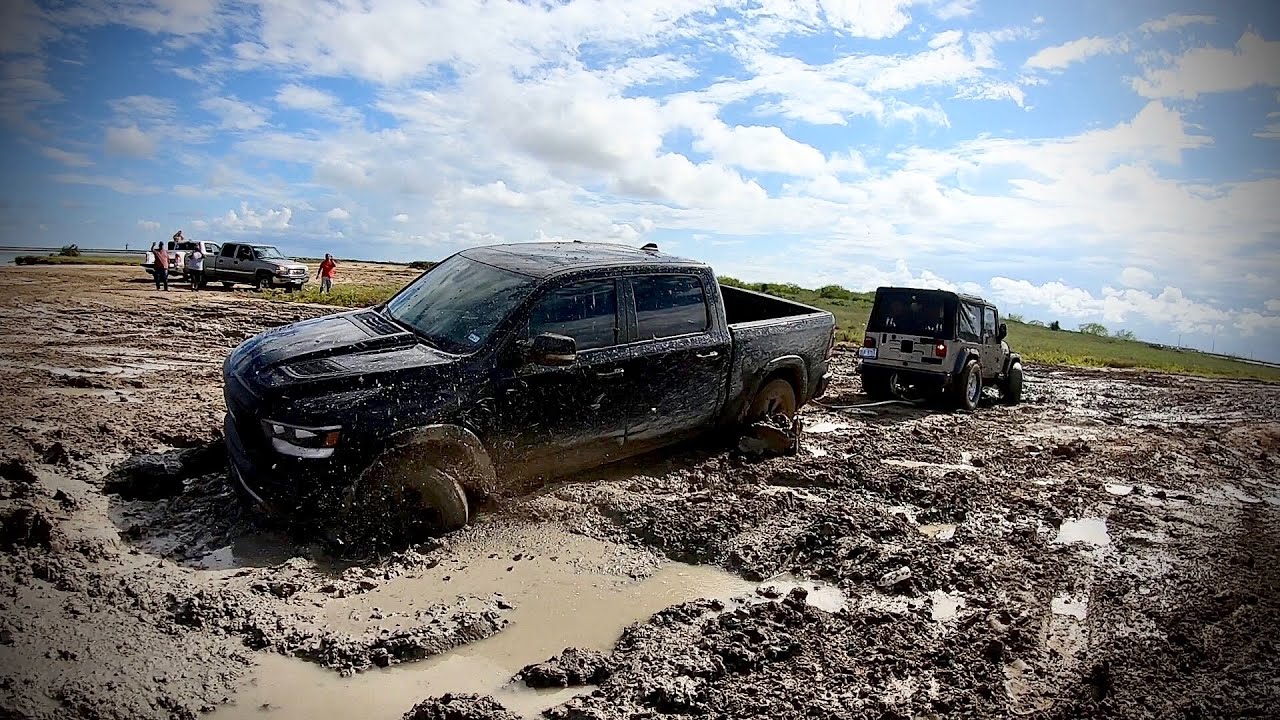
(968, 388)
(777, 397)
(262, 282)
(406, 495)
(1013, 385)
(876, 384)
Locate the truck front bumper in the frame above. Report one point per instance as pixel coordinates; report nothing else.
(278, 483)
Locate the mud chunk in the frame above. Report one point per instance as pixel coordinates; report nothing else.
(56, 454)
(459, 707)
(572, 668)
(161, 475)
(1071, 450)
(17, 470)
(894, 577)
(25, 527)
(680, 695)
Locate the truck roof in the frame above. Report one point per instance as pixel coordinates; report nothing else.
(541, 259)
(963, 296)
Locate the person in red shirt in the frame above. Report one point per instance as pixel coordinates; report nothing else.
(325, 273)
(161, 267)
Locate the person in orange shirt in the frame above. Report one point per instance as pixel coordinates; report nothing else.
(326, 272)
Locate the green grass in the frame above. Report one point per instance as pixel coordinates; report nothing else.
(343, 295)
(1035, 344)
(76, 260)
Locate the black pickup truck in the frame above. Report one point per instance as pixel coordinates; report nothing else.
(505, 363)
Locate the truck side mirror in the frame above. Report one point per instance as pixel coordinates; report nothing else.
(1003, 333)
(553, 350)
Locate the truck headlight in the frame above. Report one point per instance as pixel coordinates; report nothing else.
(302, 442)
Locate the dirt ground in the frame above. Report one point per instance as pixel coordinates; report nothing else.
(1108, 548)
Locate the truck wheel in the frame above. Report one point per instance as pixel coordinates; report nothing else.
(262, 282)
(404, 490)
(1013, 385)
(968, 389)
(777, 397)
(228, 285)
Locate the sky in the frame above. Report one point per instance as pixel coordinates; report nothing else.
(1087, 161)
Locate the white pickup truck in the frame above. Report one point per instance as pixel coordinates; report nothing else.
(178, 256)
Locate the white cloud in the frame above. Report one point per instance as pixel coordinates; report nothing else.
(25, 89)
(149, 225)
(760, 149)
(130, 142)
(401, 218)
(1137, 277)
(951, 9)
(1273, 305)
(249, 220)
(1272, 129)
(70, 159)
(121, 185)
(235, 114)
(1059, 57)
(1254, 61)
(338, 214)
(1175, 21)
(302, 97)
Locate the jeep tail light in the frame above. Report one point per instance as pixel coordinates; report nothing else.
(868, 342)
(940, 349)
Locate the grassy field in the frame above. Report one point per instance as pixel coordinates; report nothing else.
(76, 260)
(1034, 343)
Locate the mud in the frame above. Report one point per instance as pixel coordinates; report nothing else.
(1109, 548)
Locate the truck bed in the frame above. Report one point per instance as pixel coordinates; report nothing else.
(766, 328)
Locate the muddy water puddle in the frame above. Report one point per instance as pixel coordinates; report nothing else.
(1092, 531)
(561, 590)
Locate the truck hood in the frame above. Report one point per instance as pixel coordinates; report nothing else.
(351, 343)
(285, 264)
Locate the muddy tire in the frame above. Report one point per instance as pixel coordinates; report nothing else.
(968, 387)
(1013, 385)
(876, 385)
(777, 397)
(410, 496)
(262, 282)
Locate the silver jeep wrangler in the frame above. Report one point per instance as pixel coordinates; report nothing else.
(934, 343)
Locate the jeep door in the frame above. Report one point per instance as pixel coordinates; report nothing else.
(557, 419)
(992, 358)
(678, 371)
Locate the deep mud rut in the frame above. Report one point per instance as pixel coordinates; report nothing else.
(1109, 548)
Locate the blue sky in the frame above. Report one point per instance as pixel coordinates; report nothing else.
(1081, 162)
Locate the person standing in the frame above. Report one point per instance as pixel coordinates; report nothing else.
(325, 274)
(161, 257)
(195, 267)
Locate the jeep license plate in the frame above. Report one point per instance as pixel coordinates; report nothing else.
(869, 353)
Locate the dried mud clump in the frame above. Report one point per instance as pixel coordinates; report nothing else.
(571, 668)
(459, 707)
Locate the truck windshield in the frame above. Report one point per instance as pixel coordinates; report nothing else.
(912, 312)
(267, 252)
(457, 304)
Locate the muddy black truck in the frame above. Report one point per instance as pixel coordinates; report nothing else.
(509, 363)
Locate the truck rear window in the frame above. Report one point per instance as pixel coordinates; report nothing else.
(669, 306)
(910, 312)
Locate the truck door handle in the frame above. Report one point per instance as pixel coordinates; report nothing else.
(612, 373)
(709, 355)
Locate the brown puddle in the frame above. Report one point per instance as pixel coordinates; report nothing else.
(583, 598)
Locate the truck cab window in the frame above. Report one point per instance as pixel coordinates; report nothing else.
(244, 252)
(228, 250)
(669, 306)
(585, 311)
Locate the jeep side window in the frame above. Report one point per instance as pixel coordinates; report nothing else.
(585, 311)
(969, 323)
(228, 250)
(988, 324)
(669, 306)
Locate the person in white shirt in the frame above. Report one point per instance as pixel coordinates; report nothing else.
(195, 268)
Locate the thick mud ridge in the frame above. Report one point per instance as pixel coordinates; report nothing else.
(1109, 548)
